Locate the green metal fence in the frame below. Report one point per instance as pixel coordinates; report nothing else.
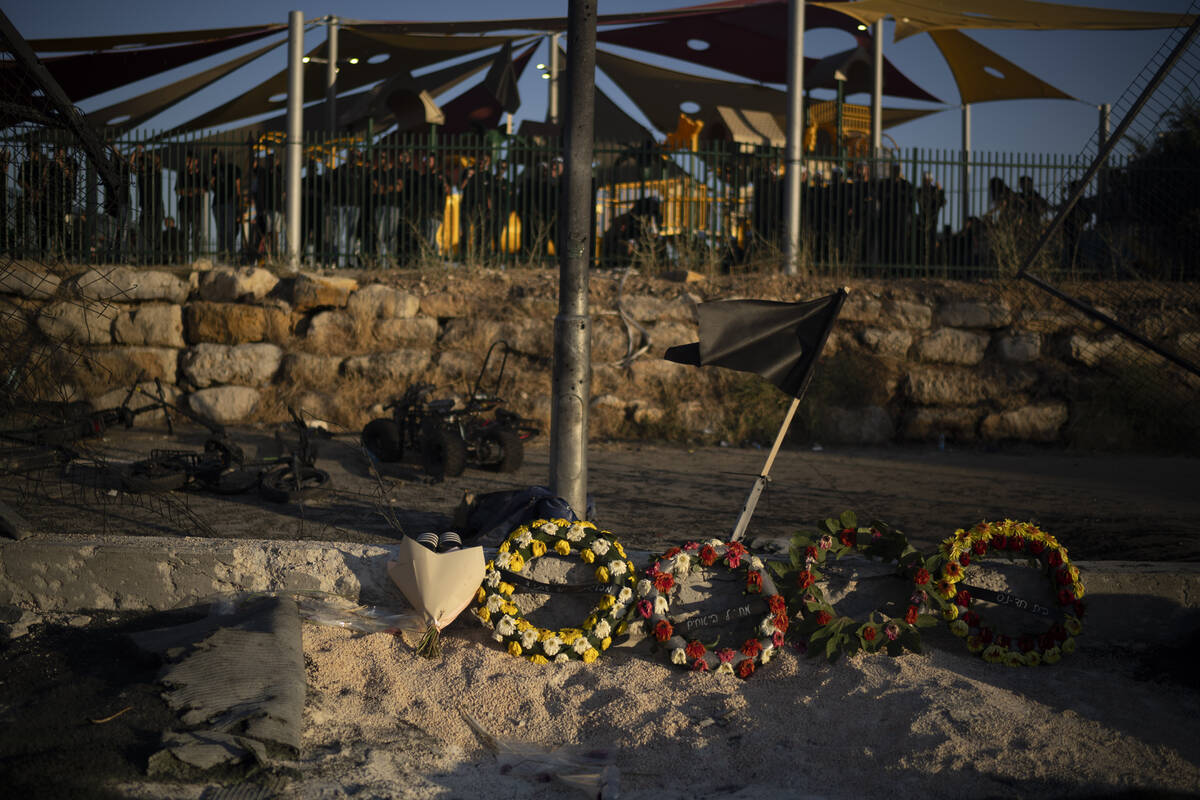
(407, 201)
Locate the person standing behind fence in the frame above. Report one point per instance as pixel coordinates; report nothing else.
(478, 216)
(931, 199)
(62, 184)
(896, 201)
(189, 191)
(385, 186)
(32, 205)
(429, 199)
(346, 193)
(148, 173)
(268, 203)
(225, 181)
(5, 228)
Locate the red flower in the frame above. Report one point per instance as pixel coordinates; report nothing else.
(964, 559)
(868, 633)
(823, 618)
(777, 604)
(753, 582)
(745, 669)
(804, 579)
(1045, 641)
(1016, 544)
(986, 635)
(736, 548)
(810, 553)
(654, 569)
(1063, 577)
(1004, 640)
(726, 655)
(922, 577)
(1025, 644)
(663, 630)
(848, 537)
(664, 581)
(1000, 542)
(1078, 607)
(781, 622)
(645, 608)
(1065, 596)
(691, 546)
(1037, 547)
(875, 534)
(695, 649)
(700, 665)
(733, 559)
(910, 616)
(1058, 632)
(707, 555)
(674, 551)
(971, 618)
(751, 648)
(963, 598)
(979, 547)
(1054, 558)
(777, 638)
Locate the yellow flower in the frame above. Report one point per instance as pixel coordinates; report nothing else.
(509, 608)
(524, 625)
(993, 654)
(607, 602)
(1068, 645)
(602, 574)
(569, 635)
(1077, 588)
(950, 612)
(539, 659)
(480, 595)
(1012, 659)
(1032, 659)
(622, 627)
(590, 655)
(588, 556)
(516, 563)
(1052, 656)
(945, 589)
(514, 648)
(1073, 625)
(620, 550)
(959, 628)
(562, 547)
(538, 548)
(504, 547)
(629, 566)
(506, 589)
(590, 622)
(952, 570)
(544, 634)
(974, 644)
(605, 642)
(483, 614)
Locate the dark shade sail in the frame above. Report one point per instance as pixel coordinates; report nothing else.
(779, 341)
(75, 44)
(479, 108)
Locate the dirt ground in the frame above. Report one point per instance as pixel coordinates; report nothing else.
(1108, 507)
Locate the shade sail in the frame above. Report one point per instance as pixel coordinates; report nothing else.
(479, 108)
(130, 113)
(77, 44)
(919, 16)
(613, 126)
(983, 75)
(856, 67)
(404, 53)
(90, 74)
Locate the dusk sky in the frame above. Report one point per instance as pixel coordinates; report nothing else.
(1096, 67)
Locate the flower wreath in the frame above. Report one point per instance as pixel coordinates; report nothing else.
(938, 582)
(673, 566)
(494, 606)
(822, 628)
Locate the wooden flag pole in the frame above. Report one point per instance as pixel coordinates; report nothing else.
(760, 483)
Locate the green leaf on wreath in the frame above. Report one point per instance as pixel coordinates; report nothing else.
(831, 525)
(818, 635)
(779, 568)
(926, 620)
(831, 649)
(849, 519)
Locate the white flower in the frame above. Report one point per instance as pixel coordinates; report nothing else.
(616, 568)
(498, 637)
(661, 605)
(494, 602)
(683, 564)
(552, 645)
(600, 546)
(624, 596)
(602, 629)
(581, 645)
(726, 668)
(503, 560)
(767, 627)
(506, 626)
(524, 539)
(529, 638)
(575, 532)
(756, 563)
(561, 658)
(767, 653)
(716, 544)
(678, 656)
(549, 528)
(492, 579)
(644, 587)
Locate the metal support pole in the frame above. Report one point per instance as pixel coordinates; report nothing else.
(965, 178)
(555, 68)
(841, 121)
(295, 134)
(877, 92)
(795, 137)
(571, 381)
(1102, 175)
(331, 51)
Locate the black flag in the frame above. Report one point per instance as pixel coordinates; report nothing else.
(779, 341)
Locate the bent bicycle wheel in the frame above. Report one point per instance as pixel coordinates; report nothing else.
(285, 486)
(229, 481)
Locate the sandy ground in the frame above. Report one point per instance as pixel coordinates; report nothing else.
(383, 722)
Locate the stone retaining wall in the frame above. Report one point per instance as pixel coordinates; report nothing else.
(926, 360)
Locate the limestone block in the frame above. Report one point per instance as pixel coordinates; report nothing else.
(208, 364)
(646, 414)
(28, 281)
(889, 342)
(235, 323)
(150, 324)
(1033, 423)
(1188, 344)
(1038, 321)
(469, 333)
(870, 425)
(313, 406)
(456, 364)
(952, 346)
(78, 321)
(14, 318)
(330, 332)
(245, 284)
(1088, 351)
(376, 301)
(310, 369)
(126, 284)
(320, 291)
(945, 386)
(955, 423)
(121, 366)
(392, 369)
(397, 331)
(224, 404)
(906, 314)
(445, 305)
(861, 307)
(1019, 347)
(975, 314)
(680, 309)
